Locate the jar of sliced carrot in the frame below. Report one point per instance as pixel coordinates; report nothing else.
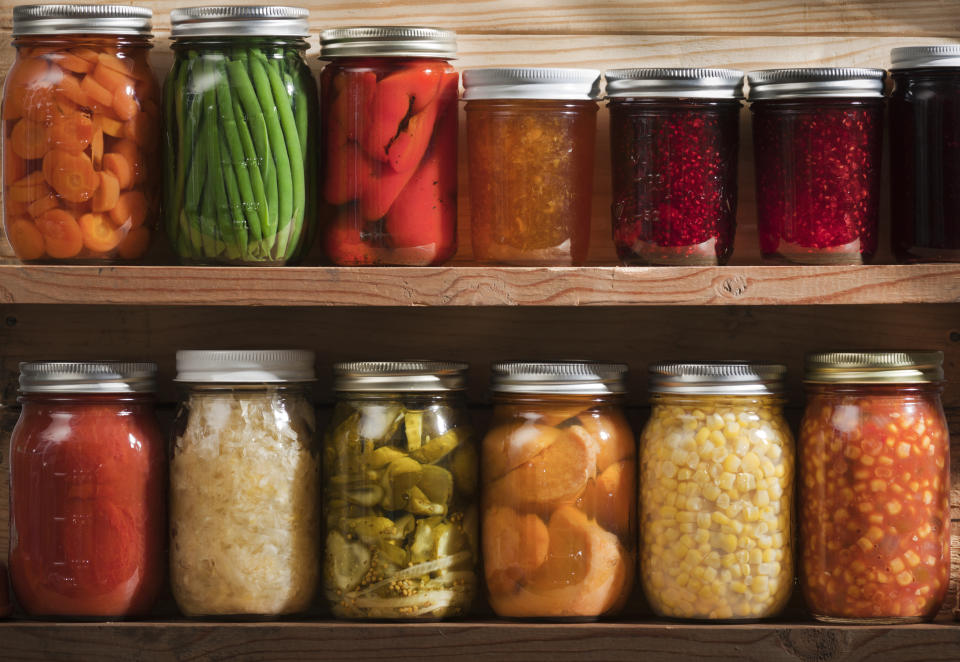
(80, 116)
(559, 491)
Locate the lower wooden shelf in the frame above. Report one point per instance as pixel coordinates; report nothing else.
(485, 640)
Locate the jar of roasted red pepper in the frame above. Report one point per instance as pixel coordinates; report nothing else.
(530, 143)
(80, 119)
(925, 151)
(674, 138)
(389, 140)
(817, 141)
(87, 491)
(874, 487)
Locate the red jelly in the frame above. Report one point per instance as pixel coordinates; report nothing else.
(87, 491)
(674, 137)
(817, 138)
(389, 140)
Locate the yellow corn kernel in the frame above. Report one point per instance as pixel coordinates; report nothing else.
(760, 584)
(894, 507)
(913, 559)
(865, 544)
(702, 435)
(924, 530)
(702, 536)
(711, 492)
(745, 482)
(761, 499)
(878, 485)
(904, 578)
(738, 587)
(750, 462)
(752, 513)
(728, 542)
(769, 555)
(896, 565)
(756, 556)
(710, 574)
(875, 534)
(668, 469)
(882, 577)
(716, 436)
(731, 463)
(726, 480)
(684, 473)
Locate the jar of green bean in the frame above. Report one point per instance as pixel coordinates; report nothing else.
(239, 142)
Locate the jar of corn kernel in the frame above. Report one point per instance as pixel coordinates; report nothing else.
(874, 487)
(716, 497)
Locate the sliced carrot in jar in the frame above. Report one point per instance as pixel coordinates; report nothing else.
(96, 92)
(99, 234)
(88, 54)
(96, 149)
(39, 98)
(110, 61)
(29, 139)
(21, 77)
(42, 205)
(125, 103)
(71, 62)
(129, 150)
(142, 130)
(61, 234)
(108, 193)
(135, 244)
(14, 208)
(72, 134)
(111, 79)
(110, 126)
(120, 167)
(28, 189)
(69, 88)
(131, 208)
(26, 240)
(14, 167)
(71, 175)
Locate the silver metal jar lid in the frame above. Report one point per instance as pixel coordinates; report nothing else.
(558, 377)
(388, 41)
(917, 57)
(88, 377)
(399, 376)
(816, 82)
(874, 367)
(81, 19)
(675, 83)
(239, 21)
(531, 83)
(245, 366)
(717, 378)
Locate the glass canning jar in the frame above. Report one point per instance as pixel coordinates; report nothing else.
(80, 122)
(389, 140)
(874, 487)
(716, 498)
(530, 146)
(925, 153)
(559, 491)
(244, 484)
(817, 142)
(87, 491)
(240, 151)
(400, 484)
(674, 142)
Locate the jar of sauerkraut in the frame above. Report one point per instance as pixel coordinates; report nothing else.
(716, 497)
(244, 481)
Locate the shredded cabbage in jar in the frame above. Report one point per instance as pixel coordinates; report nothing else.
(244, 506)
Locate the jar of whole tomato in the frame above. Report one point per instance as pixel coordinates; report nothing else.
(559, 491)
(531, 134)
(925, 153)
(87, 491)
(874, 487)
(389, 140)
(674, 141)
(716, 498)
(817, 142)
(80, 122)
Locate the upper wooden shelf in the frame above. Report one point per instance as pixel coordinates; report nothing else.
(480, 286)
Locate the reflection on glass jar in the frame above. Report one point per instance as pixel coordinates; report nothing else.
(400, 483)
(875, 481)
(559, 490)
(817, 140)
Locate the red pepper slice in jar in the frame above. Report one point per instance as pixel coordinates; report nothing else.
(355, 93)
(399, 97)
(344, 243)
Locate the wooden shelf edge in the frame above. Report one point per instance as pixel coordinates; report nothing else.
(480, 286)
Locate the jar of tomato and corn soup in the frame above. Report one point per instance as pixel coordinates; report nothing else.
(389, 140)
(559, 491)
(925, 153)
(874, 487)
(87, 491)
(80, 120)
(530, 146)
(716, 498)
(817, 142)
(674, 141)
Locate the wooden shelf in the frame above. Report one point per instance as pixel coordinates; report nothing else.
(480, 286)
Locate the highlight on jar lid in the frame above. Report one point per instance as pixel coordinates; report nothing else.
(81, 19)
(531, 83)
(717, 377)
(88, 377)
(918, 57)
(875, 367)
(257, 366)
(400, 376)
(388, 41)
(558, 377)
(675, 83)
(846, 82)
(239, 21)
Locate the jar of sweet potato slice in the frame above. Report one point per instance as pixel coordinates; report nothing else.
(80, 115)
(558, 491)
(874, 487)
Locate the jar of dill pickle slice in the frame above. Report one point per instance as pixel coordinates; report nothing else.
(400, 477)
(716, 498)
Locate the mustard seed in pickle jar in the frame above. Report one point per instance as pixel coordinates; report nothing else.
(716, 497)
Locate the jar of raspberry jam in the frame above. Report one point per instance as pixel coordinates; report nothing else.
(817, 140)
(925, 152)
(674, 138)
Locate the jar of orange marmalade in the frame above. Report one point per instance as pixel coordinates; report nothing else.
(80, 117)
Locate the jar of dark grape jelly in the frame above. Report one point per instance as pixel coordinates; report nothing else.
(817, 140)
(674, 137)
(925, 148)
